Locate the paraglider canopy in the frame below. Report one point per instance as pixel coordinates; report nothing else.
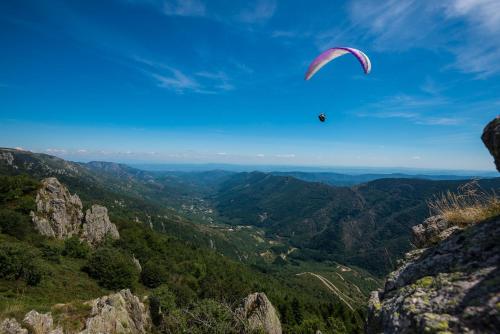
(330, 54)
(322, 117)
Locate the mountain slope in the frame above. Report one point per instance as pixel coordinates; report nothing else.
(368, 225)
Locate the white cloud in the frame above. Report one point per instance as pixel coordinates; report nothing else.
(416, 157)
(184, 8)
(81, 151)
(469, 29)
(56, 151)
(221, 153)
(260, 155)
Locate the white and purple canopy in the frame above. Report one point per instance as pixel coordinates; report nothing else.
(336, 52)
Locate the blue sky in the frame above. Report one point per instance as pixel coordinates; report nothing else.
(190, 81)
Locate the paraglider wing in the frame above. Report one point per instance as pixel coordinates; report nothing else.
(333, 53)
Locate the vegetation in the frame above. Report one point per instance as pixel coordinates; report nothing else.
(470, 204)
(193, 285)
(112, 269)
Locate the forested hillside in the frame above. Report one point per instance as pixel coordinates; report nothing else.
(368, 225)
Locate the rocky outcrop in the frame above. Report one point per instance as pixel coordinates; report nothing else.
(11, 326)
(59, 214)
(7, 157)
(432, 231)
(121, 312)
(40, 323)
(97, 226)
(259, 313)
(491, 138)
(452, 286)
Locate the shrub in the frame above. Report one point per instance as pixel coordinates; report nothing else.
(50, 252)
(112, 269)
(154, 273)
(20, 262)
(15, 224)
(210, 316)
(469, 205)
(161, 302)
(74, 247)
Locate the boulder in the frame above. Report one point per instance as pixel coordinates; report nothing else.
(11, 326)
(7, 157)
(451, 286)
(97, 226)
(40, 323)
(120, 312)
(260, 315)
(491, 138)
(432, 231)
(59, 213)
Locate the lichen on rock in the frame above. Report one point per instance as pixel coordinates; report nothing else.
(449, 287)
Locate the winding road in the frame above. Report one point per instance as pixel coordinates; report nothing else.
(330, 286)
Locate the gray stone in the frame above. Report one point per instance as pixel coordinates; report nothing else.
(259, 313)
(491, 138)
(7, 157)
(11, 326)
(59, 213)
(431, 231)
(40, 323)
(97, 226)
(451, 286)
(121, 312)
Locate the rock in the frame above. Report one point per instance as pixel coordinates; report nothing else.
(11, 326)
(38, 323)
(431, 231)
(257, 310)
(491, 138)
(59, 213)
(137, 264)
(451, 286)
(121, 312)
(7, 157)
(97, 226)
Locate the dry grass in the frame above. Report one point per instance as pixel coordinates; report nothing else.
(469, 205)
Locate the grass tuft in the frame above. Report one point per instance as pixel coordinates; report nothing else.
(469, 205)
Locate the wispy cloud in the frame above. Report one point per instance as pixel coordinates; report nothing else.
(203, 82)
(254, 13)
(55, 151)
(262, 11)
(469, 29)
(185, 8)
(415, 109)
(177, 81)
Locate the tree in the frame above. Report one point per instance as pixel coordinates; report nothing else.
(112, 269)
(20, 262)
(154, 273)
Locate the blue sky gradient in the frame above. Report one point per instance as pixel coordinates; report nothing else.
(190, 81)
